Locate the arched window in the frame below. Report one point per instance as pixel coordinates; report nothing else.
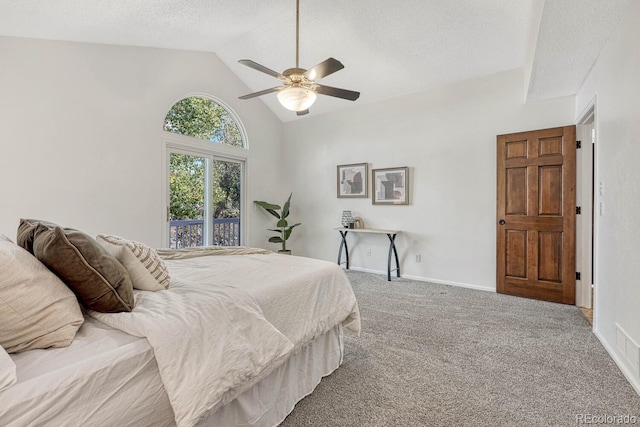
(204, 183)
(206, 119)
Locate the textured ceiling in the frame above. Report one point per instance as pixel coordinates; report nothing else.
(388, 47)
(571, 35)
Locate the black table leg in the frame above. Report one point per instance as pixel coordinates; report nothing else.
(343, 244)
(392, 250)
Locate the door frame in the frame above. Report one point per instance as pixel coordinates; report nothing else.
(193, 146)
(589, 199)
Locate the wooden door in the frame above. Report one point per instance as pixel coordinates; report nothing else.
(536, 214)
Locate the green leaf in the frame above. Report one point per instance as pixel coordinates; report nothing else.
(277, 230)
(285, 208)
(275, 239)
(274, 213)
(282, 223)
(288, 231)
(269, 207)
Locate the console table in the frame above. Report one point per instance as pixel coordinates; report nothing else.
(391, 234)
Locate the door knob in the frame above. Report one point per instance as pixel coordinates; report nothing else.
(501, 222)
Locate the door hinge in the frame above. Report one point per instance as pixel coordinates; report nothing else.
(577, 275)
(578, 210)
(168, 214)
(578, 144)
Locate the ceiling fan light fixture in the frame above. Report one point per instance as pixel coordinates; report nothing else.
(300, 86)
(297, 98)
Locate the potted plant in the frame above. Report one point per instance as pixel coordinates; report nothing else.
(284, 229)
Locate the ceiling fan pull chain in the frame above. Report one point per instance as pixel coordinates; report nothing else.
(297, 33)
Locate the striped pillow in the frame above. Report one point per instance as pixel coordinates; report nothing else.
(153, 277)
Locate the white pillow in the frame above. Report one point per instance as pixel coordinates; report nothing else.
(147, 270)
(8, 375)
(37, 310)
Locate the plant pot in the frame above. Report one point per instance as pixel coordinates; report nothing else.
(287, 252)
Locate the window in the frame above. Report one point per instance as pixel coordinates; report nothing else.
(204, 181)
(203, 118)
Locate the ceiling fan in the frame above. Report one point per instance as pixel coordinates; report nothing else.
(299, 88)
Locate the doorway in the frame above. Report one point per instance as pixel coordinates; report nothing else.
(586, 195)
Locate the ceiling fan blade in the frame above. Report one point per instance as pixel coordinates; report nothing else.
(323, 69)
(262, 92)
(303, 112)
(337, 92)
(252, 64)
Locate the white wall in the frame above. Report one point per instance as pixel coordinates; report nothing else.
(615, 81)
(81, 129)
(447, 136)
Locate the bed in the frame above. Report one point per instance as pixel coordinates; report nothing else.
(239, 337)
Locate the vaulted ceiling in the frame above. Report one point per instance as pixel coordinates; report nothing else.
(388, 47)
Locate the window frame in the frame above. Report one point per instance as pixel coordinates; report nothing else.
(184, 144)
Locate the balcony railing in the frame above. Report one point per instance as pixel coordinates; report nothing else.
(187, 233)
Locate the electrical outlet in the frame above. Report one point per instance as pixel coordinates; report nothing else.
(369, 252)
(418, 257)
(633, 356)
(621, 341)
(628, 348)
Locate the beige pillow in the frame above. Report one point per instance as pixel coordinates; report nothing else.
(147, 270)
(37, 310)
(97, 278)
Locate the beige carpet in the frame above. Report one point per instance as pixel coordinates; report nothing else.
(436, 355)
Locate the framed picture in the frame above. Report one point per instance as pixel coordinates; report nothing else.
(352, 180)
(391, 186)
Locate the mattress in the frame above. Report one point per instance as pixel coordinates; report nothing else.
(103, 375)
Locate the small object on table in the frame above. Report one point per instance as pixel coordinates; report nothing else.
(347, 219)
(358, 222)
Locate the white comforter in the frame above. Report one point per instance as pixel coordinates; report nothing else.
(302, 297)
(228, 321)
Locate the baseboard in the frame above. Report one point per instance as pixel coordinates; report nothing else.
(427, 279)
(628, 373)
(451, 283)
(366, 270)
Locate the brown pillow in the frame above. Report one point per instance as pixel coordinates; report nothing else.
(27, 231)
(99, 281)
